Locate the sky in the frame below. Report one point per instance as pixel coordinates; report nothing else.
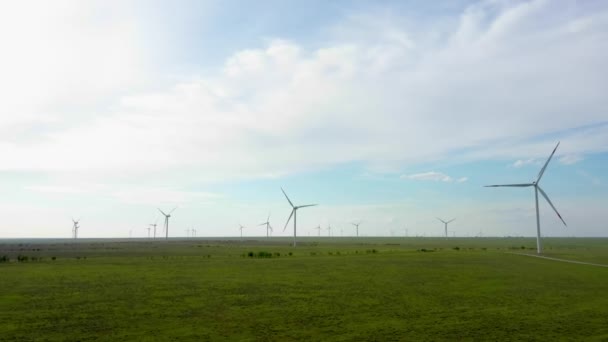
(392, 113)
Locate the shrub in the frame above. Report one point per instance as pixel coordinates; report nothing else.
(290, 253)
(263, 254)
(277, 254)
(54, 258)
(5, 258)
(456, 248)
(250, 254)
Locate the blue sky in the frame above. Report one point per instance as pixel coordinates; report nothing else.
(389, 112)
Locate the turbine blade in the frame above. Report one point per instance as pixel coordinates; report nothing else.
(289, 219)
(440, 220)
(451, 220)
(551, 204)
(262, 224)
(307, 205)
(172, 210)
(288, 200)
(162, 212)
(511, 185)
(542, 171)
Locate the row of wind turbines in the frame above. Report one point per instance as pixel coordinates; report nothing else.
(295, 208)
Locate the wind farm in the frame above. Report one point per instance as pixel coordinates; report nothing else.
(440, 169)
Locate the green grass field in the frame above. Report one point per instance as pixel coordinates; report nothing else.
(341, 289)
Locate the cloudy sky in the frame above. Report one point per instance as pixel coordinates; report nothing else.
(389, 112)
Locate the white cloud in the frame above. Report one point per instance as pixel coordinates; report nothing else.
(462, 179)
(570, 159)
(429, 176)
(521, 162)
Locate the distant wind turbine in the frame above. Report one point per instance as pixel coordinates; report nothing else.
(75, 228)
(167, 221)
(268, 226)
(446, 225)
(148, 229)
(328, 230)
(241, 229)
(319, 229)
(356, 227)
(154, 226)
(294, 213)
(537, 188)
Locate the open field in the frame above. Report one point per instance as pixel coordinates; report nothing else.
(343, 289)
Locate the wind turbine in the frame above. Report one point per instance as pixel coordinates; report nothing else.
(267, 224)
(241, 229)
(154, 226)
(167, 221)
(294, 213)
(328, 230)
(148, 229)
(75, 228)
(446, 225)
(193, 232)
(356, 226)
(319, 229)
(537, 188)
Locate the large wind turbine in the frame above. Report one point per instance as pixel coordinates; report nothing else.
(356, 226)
(445, 223)
(537, 188)
(167, 221)
(294, 213)
(75, 228)
(319, 229)
(267, 224)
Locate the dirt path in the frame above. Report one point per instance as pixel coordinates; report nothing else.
(562, 260)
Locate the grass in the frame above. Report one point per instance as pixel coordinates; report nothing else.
(329, 289)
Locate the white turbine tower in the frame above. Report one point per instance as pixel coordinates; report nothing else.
(241, 229)
(356, 226)
(268, 226)
(75, 228)
(445, 223)
(319, 229)
(294, 213)
(537, 188)
(154, 226)
(148, 229)
(329, 230)
(167, 221)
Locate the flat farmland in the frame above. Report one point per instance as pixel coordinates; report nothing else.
(342, 289)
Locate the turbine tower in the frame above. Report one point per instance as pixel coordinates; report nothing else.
(148, 229)
(268, 226)
(446, 225)
(294, 213)
(356, 227)
(153, 225)
(241, 229)
(537, 188)
(328, 230)
(75, 228)
(167, 221)
(319, 229)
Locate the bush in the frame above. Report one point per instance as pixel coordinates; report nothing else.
(290, 253)
(264, 255)
(22, 258)
(5, 258)
(456, 248)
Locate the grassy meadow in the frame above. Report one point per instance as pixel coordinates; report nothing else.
(340, 289)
